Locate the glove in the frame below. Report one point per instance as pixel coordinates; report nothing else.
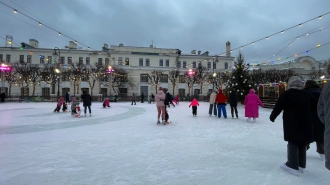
(271, 119)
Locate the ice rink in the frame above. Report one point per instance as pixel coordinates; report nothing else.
(124, 145)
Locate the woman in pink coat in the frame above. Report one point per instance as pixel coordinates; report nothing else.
(251, 102)
(160, 98)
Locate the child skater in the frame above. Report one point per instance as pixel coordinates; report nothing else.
(194, 105)
(73, 106)
(59, 104)
(77, 115)
(65, 107)
(106, 103)
(167, 117)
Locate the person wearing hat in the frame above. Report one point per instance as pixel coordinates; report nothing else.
(160, 98)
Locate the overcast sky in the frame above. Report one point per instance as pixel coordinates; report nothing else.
(187, 25)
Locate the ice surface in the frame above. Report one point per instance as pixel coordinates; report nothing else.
(123, 145)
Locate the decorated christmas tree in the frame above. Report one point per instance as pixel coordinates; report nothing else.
(240, 80)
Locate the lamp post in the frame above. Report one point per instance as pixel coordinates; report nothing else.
(215, 60)
(55, 55)
(191, 74)
(3, 68)
(109, 71)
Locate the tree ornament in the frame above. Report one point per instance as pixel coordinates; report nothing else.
(241, 93)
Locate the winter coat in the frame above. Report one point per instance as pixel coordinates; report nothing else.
(297, 117)
(318, 126)
(73, 104)
(160, 98)
(142, 96)
(106, 102)
(87, 99)
(212, 97)
(323, 112)
(67, 96)
(252, 102)
(177, 98)
(168, 98)
(221, 98)
(133, 97)
(233, 99)
(194, 102)
(60, 102)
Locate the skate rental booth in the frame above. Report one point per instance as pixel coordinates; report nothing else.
(269, 93)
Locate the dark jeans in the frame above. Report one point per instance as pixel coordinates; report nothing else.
(214, 107)
(296, 156)
(194, 110)
(319, 147)
(134, 102)
(89, 109)
(232, 111)
(222, 107)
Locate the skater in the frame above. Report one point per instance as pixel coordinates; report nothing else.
(176, 100)
(133, 99)
(65, 107)
(252, 102)
(213, 105)
(59, 104)
(67, 97)
(73, 106)
(318, 127)
(160, 98)
(78, 111)
(116, 97)
(233, 103)
(142, 97)
(169, 99)
(2, 97)
(153, 98)
(106, 103)
(297, 124)
(87, 102)
(221, 99)
(194, 103)
(323, 112)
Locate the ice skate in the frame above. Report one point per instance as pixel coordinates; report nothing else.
(163, 122)
(85, 115)
(290, 170)
(301, 169)
(322, 157)
(90, 115)
(158, 122)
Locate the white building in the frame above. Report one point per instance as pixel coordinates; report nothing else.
(136, 61)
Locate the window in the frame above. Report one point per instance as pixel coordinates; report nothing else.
(209, 65)
(65, 90)
(122, 92)
(29, 58)
(226, 65)
(1, 57)
(100, 61)
(45, 91)
(140, 61)
(24, 91)
(200, 64)
(143, 77)
(8, 58)
(214, 65)
(69, 60)
(81, 60)
(113, 59)
(184, 65)
(178, 64)
(182, 92)
(104, 92)
(160, 62)
(164, 78)
(21, 58)
(147, 62)
(126, 61)
(167, 62)
(194, 64)
(120, 60)
(106, 62)
(49, 59)
(42, 59)
(88, 61)
(62, 61)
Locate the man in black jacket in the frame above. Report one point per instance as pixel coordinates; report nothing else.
(87, 102)
(233, 103)
(297, 124)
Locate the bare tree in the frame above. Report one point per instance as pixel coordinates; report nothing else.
(272, 75)
(49, 76)
(29, 73)
(11, 77)
(285, 75)
(92, 75)
(258, 76)
(120, 79)
(202, 75)
(190, 80)
(74, 73)
(173, 75)
(154, 78)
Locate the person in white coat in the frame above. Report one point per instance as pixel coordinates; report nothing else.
(213, 104)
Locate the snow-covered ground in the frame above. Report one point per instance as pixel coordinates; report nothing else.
(123, 145)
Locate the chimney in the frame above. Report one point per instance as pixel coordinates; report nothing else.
(206, 53)
(34, 43)
(228, 49)
(199, 52)
(121, 45)
(151, 46)
(72, 45)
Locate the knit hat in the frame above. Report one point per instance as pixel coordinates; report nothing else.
(295, 83)
(160, 88)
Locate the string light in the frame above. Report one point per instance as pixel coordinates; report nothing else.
(59, 33)
(40, 24)
(15, 11)
(300, 25)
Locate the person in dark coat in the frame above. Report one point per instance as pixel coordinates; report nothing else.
(152, 98)
(318, 127)
(2, 97)
(67, 97)
(297, 124)
(233, 103)
(87, 102)
(142, 97)
(133, 99)
(169, 100)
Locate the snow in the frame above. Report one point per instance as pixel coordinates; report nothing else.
(123, 145)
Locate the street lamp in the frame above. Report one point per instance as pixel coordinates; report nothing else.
(109, 71)
(191, 74)
(55, 55)
(215, 60)
(58, 81)
(3, 69)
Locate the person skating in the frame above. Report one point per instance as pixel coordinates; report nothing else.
(87, 102)
(233, 103)
(59, 104)
(297, 124)
(221, 99)
(252, 102)
(133, 99)
(2, 97)
(73, 106)
(142, 97)
(213, 105)
(194, 103)
(160, 98)
(67, 97)
(65, 107)
(169, 100)
(106, 103)
(318, 127)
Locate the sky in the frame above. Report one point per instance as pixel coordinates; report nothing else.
(123, 145)
(180, 24)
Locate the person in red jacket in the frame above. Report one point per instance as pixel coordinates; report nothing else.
(194, 105)
(221, 99)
